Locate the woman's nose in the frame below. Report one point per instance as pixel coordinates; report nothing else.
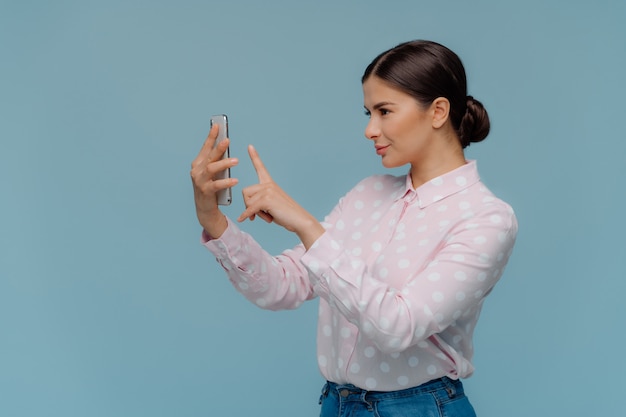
(372, 131)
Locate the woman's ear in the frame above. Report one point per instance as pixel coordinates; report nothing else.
(441, 111)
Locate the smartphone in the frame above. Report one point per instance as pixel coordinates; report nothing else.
(224, 197)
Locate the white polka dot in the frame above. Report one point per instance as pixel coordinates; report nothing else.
(327, 330)
(458, 258)
(394, 343)
(369, 352)
(356, 235)
(442, 208)
(358, 221)
(322, 360)
(368, 328)
(480, 240)
(423, 242)
(457, 314)
(437, 198)
(484, 258)
(457, 339)
(460, 276)
(434, 276)
(355, 368)
(432, 370)
(495, 219)
(403, 381)
(502, 237)
(378, 186)
(395, 355)
(384, 366)
(413, 361)
(244, 286)
(437, 181)
(261, 302)
(314, 266)
(420, 331)
(401, 249)
(335, 245)
(464, 205)
(376, 215)
(478, 293)
(340, 225)
(444, 223)
(427, 310)
(460, 296)
(383, 272)
(359, 205)
(376, 246)
(439, 317)
(404, 263)
(438, 296)
(340, 363)
(384, 323)
(461, 181)
(371, 383)
(345, 332)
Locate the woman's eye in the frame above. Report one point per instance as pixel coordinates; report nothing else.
(367, 113)
(384, 112)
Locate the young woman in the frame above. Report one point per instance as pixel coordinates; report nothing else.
(402, 265)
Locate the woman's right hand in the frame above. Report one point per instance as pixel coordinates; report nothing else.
(205, 187)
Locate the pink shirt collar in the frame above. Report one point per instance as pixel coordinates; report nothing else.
(442, 186)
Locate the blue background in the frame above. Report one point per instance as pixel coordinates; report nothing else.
(109, 306)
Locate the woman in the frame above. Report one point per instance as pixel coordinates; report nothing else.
(401, 265)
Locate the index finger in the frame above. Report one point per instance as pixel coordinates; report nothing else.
(209, 142)
(261, 171)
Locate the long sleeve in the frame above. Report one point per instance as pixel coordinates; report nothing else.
(271, 282)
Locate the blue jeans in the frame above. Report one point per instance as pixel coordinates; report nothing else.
(441, 397)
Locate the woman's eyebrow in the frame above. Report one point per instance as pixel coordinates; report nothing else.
(379, 105)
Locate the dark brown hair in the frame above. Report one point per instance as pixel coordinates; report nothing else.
(427, 70)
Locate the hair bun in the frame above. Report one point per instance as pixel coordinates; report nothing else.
(475, 123)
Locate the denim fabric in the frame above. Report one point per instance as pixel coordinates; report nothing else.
(442, 397)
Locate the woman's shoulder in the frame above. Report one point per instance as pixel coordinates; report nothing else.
(381, 182)
(376, 187)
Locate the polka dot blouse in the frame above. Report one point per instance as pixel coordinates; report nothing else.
(401, 275)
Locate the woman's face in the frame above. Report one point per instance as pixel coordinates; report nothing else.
(399, 127)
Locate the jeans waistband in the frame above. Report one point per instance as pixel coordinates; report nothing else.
(453, 387)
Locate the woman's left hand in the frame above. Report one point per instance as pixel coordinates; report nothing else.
(270, 202)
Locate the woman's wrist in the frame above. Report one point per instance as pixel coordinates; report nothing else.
(215, 225)
(310, 231)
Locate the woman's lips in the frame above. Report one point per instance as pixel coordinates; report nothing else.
(381, 150)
